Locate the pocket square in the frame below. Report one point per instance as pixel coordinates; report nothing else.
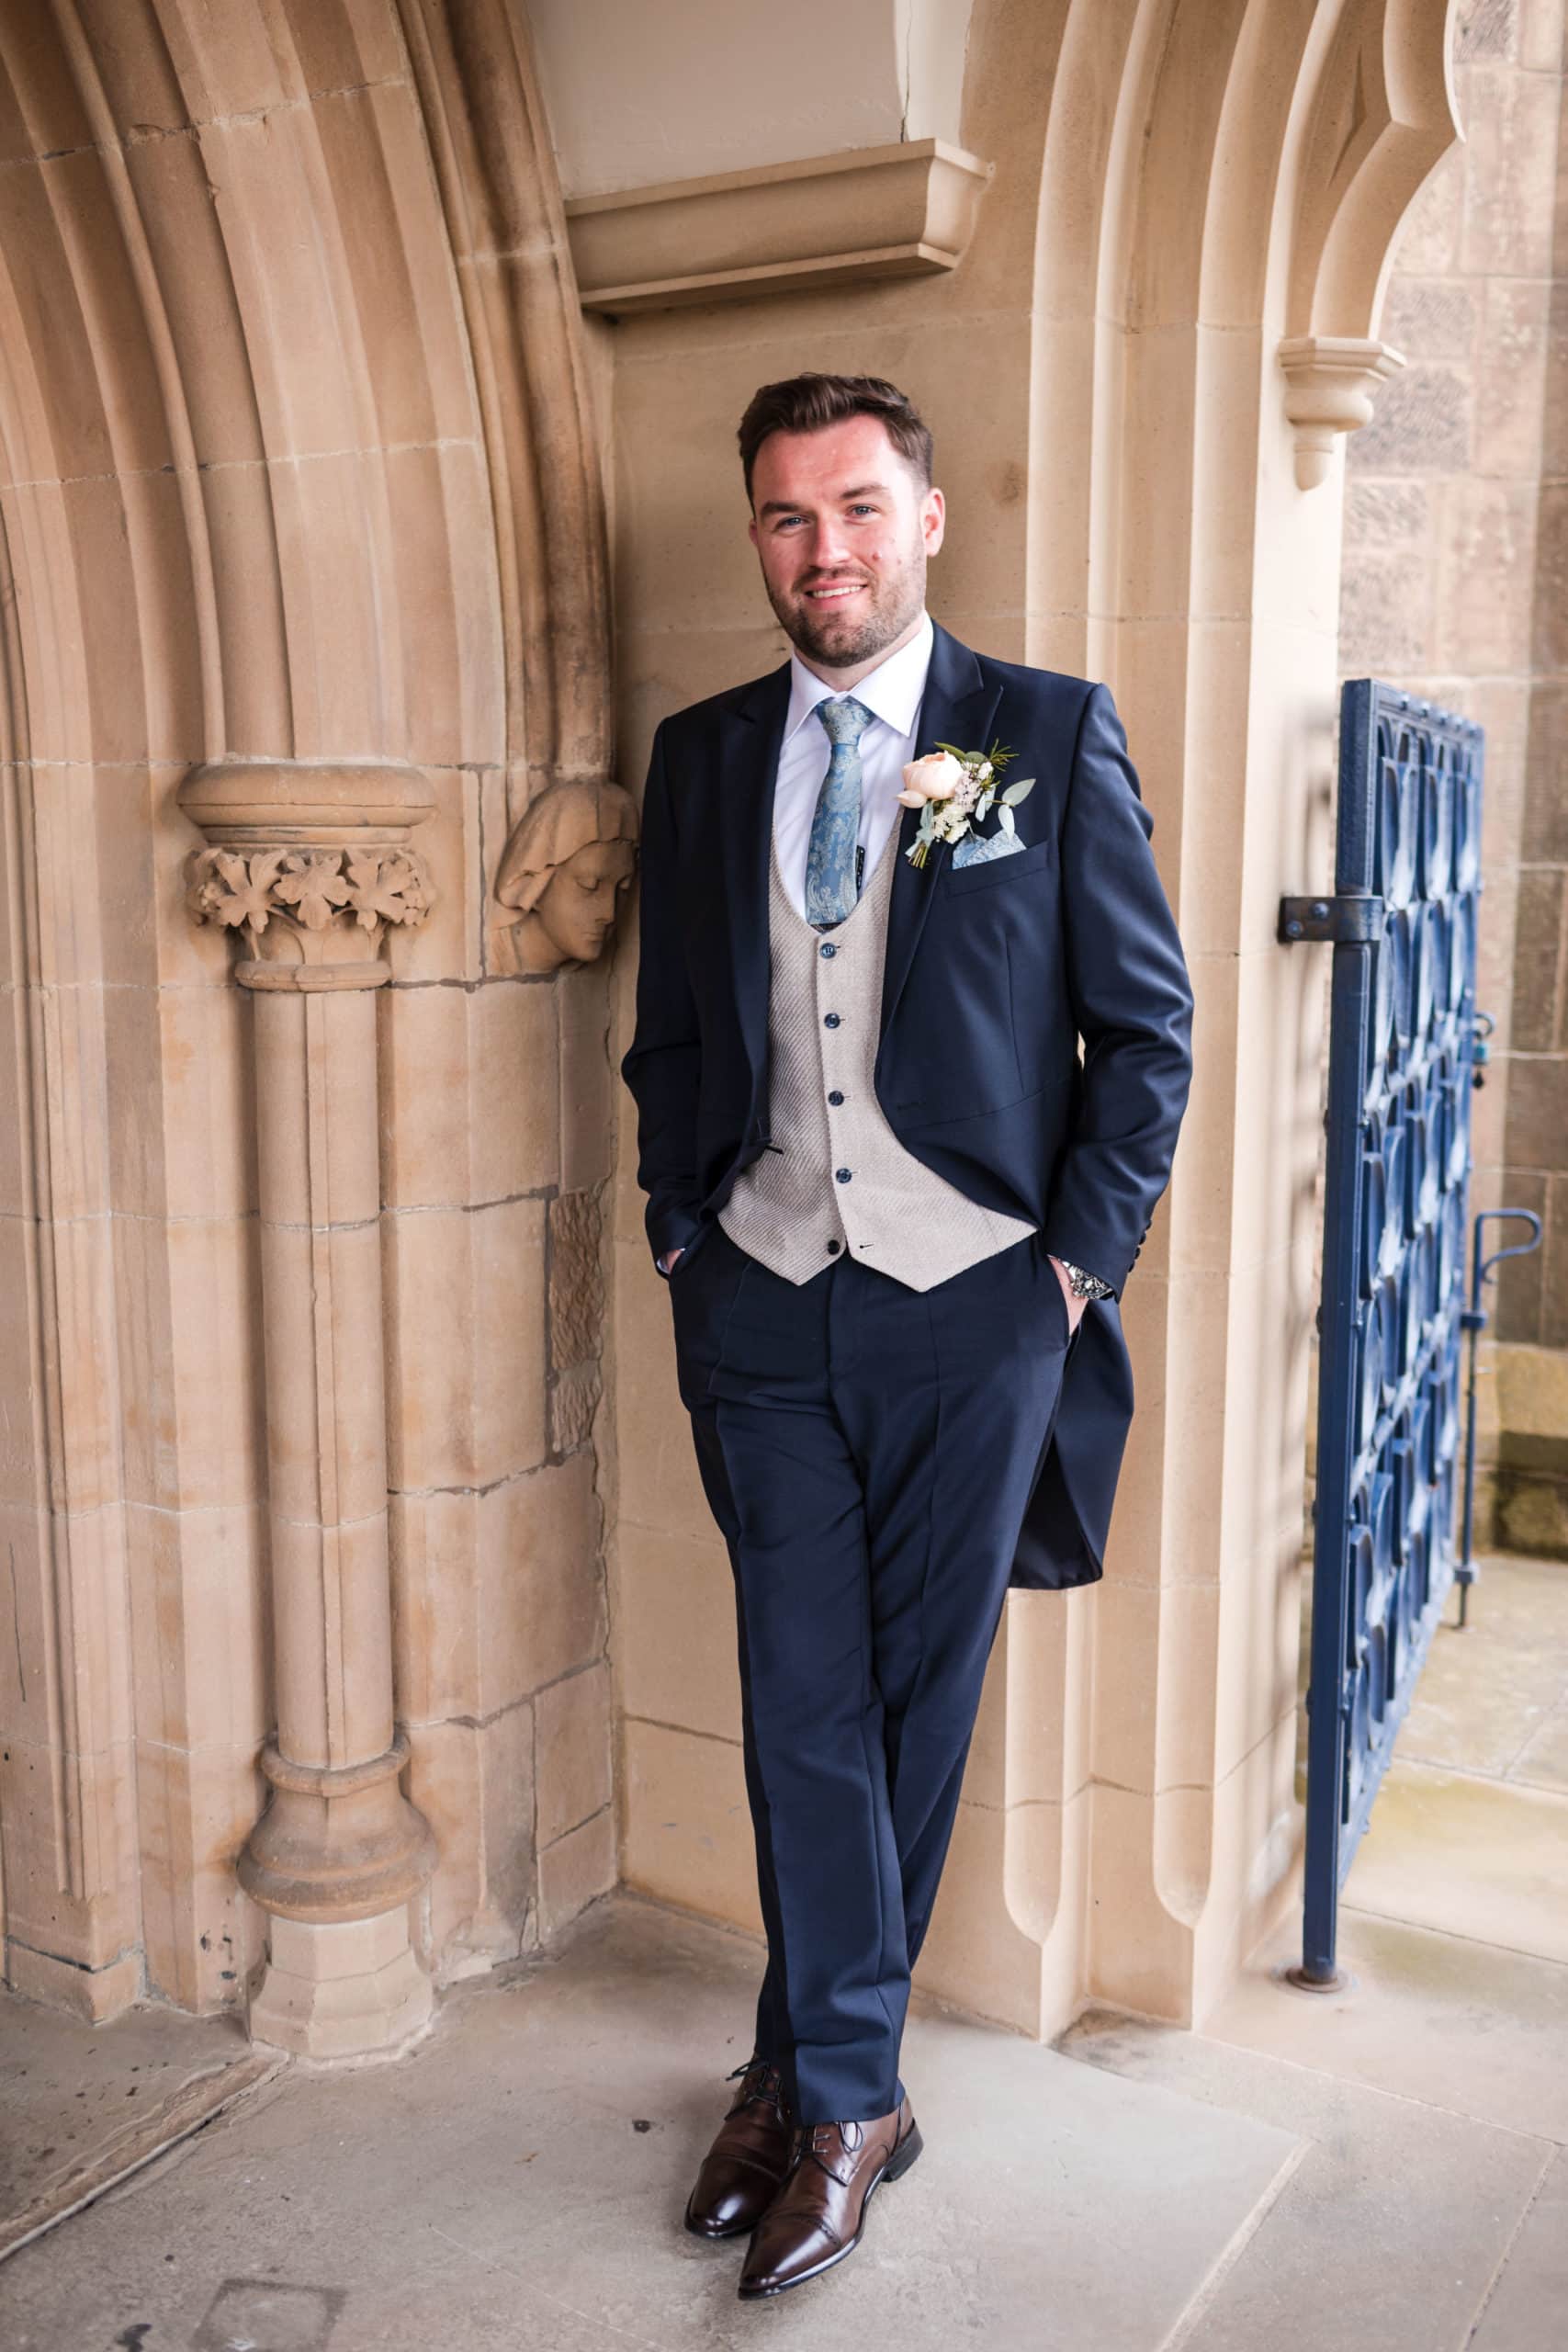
(978, 849)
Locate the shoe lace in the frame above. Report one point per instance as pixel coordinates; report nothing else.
(766, 2091)
(814, 2144)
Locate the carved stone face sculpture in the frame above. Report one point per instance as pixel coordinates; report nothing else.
(562, 875)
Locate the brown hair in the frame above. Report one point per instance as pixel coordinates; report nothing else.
(807, 404)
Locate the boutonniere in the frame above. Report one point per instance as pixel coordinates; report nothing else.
(954, 791)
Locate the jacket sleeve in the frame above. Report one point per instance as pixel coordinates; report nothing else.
(663, 1064)
(1132, 1004)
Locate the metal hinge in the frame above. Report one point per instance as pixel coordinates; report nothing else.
(1350, 919)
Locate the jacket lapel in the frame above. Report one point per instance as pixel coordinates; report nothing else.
(958, 708)
(752, 737)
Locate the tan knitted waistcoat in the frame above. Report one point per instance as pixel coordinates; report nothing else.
(838, 1174)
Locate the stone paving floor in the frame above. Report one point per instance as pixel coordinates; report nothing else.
(1381, 2166)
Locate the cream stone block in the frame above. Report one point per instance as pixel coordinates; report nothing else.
(779, 227)
(448, 944)
(19, 1465)
(659, 1485)
(1046, 1716)
(474, 1784)
(438, 1638)
(448, 602)
(575, 1870)
(350, 1991)
(497, 1594)
(674, 1635)
(181, 1102)
(331, 1640)
(15, 1109)
(1259, 1657)
(95, 1995)
(284, 283)
(1485, 573)
(588, 1082)
(315, 1081)
(71, 1891)
(1512, 357)
(465, 1306)
(200, 1625)
(571, 1750)
(307, 52)
(61, 225)
(974, 1954)
(1254, 1840)
(323, 1343)
(1510, 123)
(469, 1095)
(686, 1830)
(410, 341)
(189, 1321)
(1127, 1681)
(576, 1283)
(195, 1811)
(1137, 1956)
(541, 1585)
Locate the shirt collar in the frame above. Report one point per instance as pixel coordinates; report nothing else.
(892, 692)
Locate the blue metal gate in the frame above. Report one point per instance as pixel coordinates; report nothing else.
(1402, 1053)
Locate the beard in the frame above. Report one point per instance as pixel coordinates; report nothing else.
(838, 639)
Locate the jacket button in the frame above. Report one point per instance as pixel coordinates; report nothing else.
(833, 1249)
(842, 1174)
(829, 1020)
(835, 1098)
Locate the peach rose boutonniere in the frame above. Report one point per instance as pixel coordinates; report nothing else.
(954, 791)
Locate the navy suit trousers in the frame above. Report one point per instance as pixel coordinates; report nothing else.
(868, 1452)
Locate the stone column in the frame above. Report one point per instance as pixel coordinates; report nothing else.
(312, 864)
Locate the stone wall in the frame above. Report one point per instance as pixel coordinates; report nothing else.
(302, 1291)
(1456, 585)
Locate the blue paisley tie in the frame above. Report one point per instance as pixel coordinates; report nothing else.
(830, 890)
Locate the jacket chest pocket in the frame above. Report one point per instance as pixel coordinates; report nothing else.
(1000, 873)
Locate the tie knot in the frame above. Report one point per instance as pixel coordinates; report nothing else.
(845, 720)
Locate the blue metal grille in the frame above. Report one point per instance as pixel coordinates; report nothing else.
(1402, 1048)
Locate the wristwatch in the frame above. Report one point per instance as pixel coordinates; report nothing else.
(1082, 1285)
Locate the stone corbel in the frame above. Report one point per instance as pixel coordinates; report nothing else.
(1331, 383)
(310, 868)
(779, 228)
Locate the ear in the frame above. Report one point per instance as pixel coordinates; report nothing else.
(933, 520)
(751, 530)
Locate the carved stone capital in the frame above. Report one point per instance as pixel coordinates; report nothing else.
(311, 863)
(1331, 381)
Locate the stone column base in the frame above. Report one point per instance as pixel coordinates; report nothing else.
(353, 1990)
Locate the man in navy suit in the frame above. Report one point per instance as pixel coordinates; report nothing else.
(895, 1206)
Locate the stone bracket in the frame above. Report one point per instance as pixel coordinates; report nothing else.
(1331, 381)
(779, 228)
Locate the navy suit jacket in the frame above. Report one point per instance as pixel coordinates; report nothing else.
(994, 974)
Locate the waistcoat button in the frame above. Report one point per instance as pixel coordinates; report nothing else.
(829, 1020)
(842, 1174)
(835, 1096)
(827, 948)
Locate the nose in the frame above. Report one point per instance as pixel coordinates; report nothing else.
(830, 543)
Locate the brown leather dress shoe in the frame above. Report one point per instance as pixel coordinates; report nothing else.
(748, 2159)
(817, 2216)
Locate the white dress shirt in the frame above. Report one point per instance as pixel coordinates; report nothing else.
(893, 692)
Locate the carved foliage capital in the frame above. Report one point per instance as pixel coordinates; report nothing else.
(317, 895)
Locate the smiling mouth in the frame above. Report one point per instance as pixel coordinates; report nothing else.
(835, 592)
